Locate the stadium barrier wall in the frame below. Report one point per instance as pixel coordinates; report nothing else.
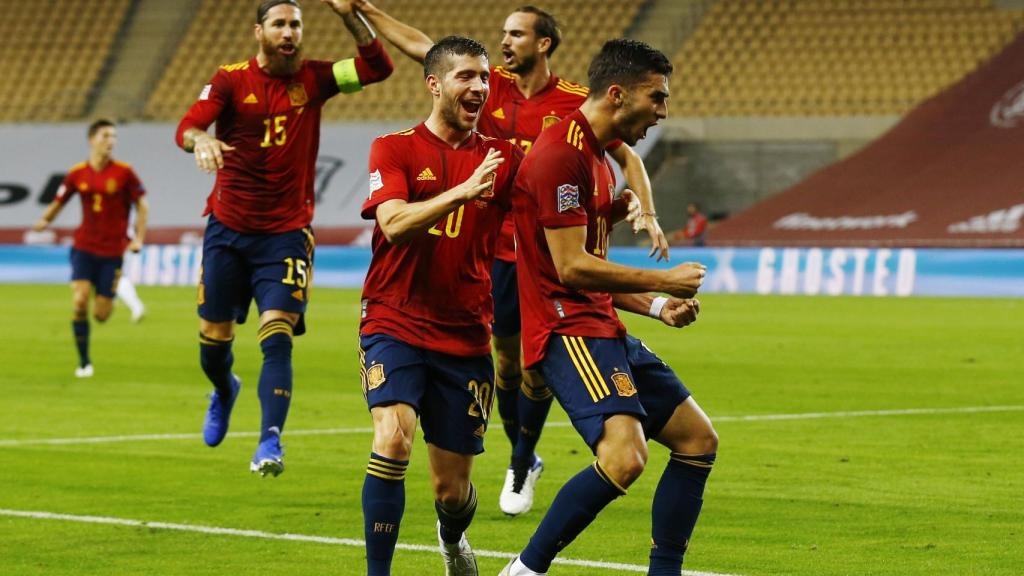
(768, 270)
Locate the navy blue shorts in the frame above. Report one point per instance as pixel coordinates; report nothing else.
(451, 394)
(103, 272)
(276, 270)
(505, 290)
(594, 378)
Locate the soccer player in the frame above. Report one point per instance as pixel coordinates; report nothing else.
(438, 193)
(258, 242)
(108, 190)
(617, 392)
(526, 97)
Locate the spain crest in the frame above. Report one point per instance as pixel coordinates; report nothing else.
(375, 377)
(623, 384)
(297, 94)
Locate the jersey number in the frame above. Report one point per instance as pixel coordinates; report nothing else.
(524, 144)
(484, 394)
(296, 274)
(601, 245)
(97, 202)
(452, 226)
(277, 136)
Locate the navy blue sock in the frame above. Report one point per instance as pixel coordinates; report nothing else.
(275, 387)
(455, 521)
(507, 390)
(534, 405)
(677, 503)
(80, 328)
(383, 506)
(575, 507)
(216, 359)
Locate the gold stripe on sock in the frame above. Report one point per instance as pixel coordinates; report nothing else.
(608, 479)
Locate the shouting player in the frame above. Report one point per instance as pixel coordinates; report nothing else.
(258, 242)
(108, 190)
(526, 97)
(616, 391)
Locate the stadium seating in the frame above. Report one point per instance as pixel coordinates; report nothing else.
(51, 64)
(833, 57)
(221, 33)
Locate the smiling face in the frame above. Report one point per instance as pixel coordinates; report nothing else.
(639, 107)
(520, 47)
(460, 93)
(280, 38)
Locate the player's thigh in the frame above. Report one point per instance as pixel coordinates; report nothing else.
(591, 379)
(454, 413)
(224, 285)
(391, 372)
(393, 428)
(660, 389)
(688, 430)
(107, 275)
(505, 292)
(282, 271)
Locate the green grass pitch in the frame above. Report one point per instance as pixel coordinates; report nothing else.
(932, 492)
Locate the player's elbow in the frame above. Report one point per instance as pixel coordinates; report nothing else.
(570, 273)
(393, 232)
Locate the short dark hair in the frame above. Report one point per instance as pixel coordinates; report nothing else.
(545, 25)
(266, 5)
(436, 60)
(625, 62)
(99, 124)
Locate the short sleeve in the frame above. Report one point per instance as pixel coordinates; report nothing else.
(387, 175)
(134, 186)
(66, 190)
(558, 179)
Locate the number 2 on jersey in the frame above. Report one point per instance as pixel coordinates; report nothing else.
(97, 202)
(276, 137)
(452, 226)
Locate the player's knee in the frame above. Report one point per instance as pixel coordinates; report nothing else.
(702, 440)
(391, 439)
(79, 313)
(626, 465)
(101, 314)
(451, 492)
(508, 368)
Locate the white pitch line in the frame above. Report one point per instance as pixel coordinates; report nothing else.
(367, 430)
(309, 538)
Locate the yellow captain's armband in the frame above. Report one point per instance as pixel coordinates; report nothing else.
(346, 76)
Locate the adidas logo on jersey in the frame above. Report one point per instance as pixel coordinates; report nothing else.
(426, 175)
(499, 113)
(250, 99)
(1006, 220)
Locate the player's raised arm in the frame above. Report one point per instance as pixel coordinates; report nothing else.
(411, 41)
(636, 176)
(672, 311)
(373, 64)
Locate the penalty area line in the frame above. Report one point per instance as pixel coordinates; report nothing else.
(36, 515)
(560, 424)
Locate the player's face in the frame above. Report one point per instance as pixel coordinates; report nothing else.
(280, 38)
(519, 45)
(463, 91)
(103, 141)
(643, 105)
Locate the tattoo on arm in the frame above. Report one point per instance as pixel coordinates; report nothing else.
(359, 28)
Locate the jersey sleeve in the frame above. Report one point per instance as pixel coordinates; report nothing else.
(212, 100)
(557, 180)
(373, 64)
(387, 176)
(67, 189)
(134, 186)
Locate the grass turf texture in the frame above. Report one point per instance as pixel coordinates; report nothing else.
(901, 495)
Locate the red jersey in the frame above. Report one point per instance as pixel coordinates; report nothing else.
(509, 115)
(107, 198)
(266, 184)
(566, 181)
(434, 291)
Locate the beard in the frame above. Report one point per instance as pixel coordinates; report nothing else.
(522, 65)
(451, 113)
(279, 64)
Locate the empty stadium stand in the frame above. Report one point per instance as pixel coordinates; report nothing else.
(51, 63)
(221, 33)
(833, 57)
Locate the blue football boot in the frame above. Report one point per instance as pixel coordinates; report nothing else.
(267, 459)
(218, 415)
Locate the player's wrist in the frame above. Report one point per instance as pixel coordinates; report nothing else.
(657, 305)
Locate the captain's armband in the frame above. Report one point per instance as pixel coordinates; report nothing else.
(346, 76)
